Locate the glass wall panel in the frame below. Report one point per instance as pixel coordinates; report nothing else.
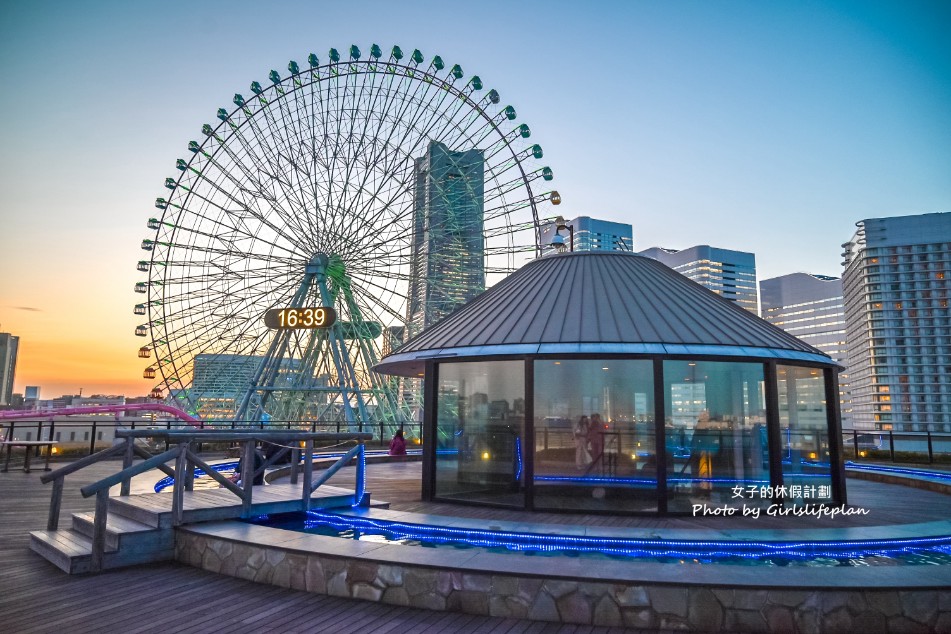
(804, 423)
(479, 430)
(594, 435)
(715, 434)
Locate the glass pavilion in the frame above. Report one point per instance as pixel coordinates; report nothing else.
(606, 382)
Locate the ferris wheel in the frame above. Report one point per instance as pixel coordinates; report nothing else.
(324, 219)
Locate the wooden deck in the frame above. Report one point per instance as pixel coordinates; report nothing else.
(35, 596)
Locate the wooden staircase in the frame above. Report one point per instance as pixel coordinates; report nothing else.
(139, 527)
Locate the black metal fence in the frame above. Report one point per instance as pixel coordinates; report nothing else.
(86, 436)
(927, 447)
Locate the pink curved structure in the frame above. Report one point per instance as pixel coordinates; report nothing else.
(103, 409)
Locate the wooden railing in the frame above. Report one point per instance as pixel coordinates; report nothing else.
(186, 459)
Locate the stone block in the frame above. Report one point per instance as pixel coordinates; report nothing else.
(943, 624)
(419, 582)
(631, 596)
(428, 601)
(365, 591)
(468, 601)
(788, 598)
(504, 586)
(831, 601)
(808, 620)
(395, 596)
(725, 596)
(870, 621)
(314, 579)
(211, 561)
(750, 599)
(543, 608)
(704, 611)
(337, 584)
(558, 589)
(642, 618)
(779, 618)
(275, 556)
(282, 575)
(902, 625)
(390, 575)
(256, 557)
(477, 583)
(920, 605)
(837, 621)
(528, 589)
(607, 613)
(672, 623)
(264, 573)
(574, 608)
(361, 572)
(744, 621)
(886, 603)
(669, 600)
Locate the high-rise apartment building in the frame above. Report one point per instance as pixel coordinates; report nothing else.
(896, 284)
(590, 234)
(447, 257)
(811, 308)
(8, 365)
(730, 274)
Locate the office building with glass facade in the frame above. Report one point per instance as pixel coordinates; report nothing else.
(605, 382)
(730, 274)
(9, 344)
(589, 234)
(810, 307)
(896, 284)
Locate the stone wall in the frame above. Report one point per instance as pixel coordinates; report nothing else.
(677, 607)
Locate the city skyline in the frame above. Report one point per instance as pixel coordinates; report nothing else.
(770, 129)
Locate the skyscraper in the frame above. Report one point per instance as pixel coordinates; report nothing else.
(896, 284)
(8, 365)
(447, 263)
(811, 308)
(590, 234)
(730, 274)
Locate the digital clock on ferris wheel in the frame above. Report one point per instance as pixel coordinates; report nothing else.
(315, 317)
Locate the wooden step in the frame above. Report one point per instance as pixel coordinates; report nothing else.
(125, 534)
(72, 553)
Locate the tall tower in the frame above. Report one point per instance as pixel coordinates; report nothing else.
(447, 254)
(728, 273)
(8, 365)
(896, 283)
(811, 308)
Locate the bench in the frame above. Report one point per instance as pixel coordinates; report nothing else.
(29, 445)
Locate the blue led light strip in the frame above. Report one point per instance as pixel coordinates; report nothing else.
(921, 473)
(629, 546)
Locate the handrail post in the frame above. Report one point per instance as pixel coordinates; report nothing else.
(295, 464)
(189, 472)
(92, 439)
(855, 443)
(56, 500)
(99, 530)
(308, 473)
(930, 449)
(891, 445)
(126, 463)
(178, 488)
(247, 476)
(359, 484)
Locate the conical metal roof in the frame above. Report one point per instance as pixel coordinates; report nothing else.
(598, 303)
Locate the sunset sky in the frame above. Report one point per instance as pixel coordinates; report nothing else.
(769, 127)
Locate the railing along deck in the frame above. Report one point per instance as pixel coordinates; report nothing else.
(186, 460)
